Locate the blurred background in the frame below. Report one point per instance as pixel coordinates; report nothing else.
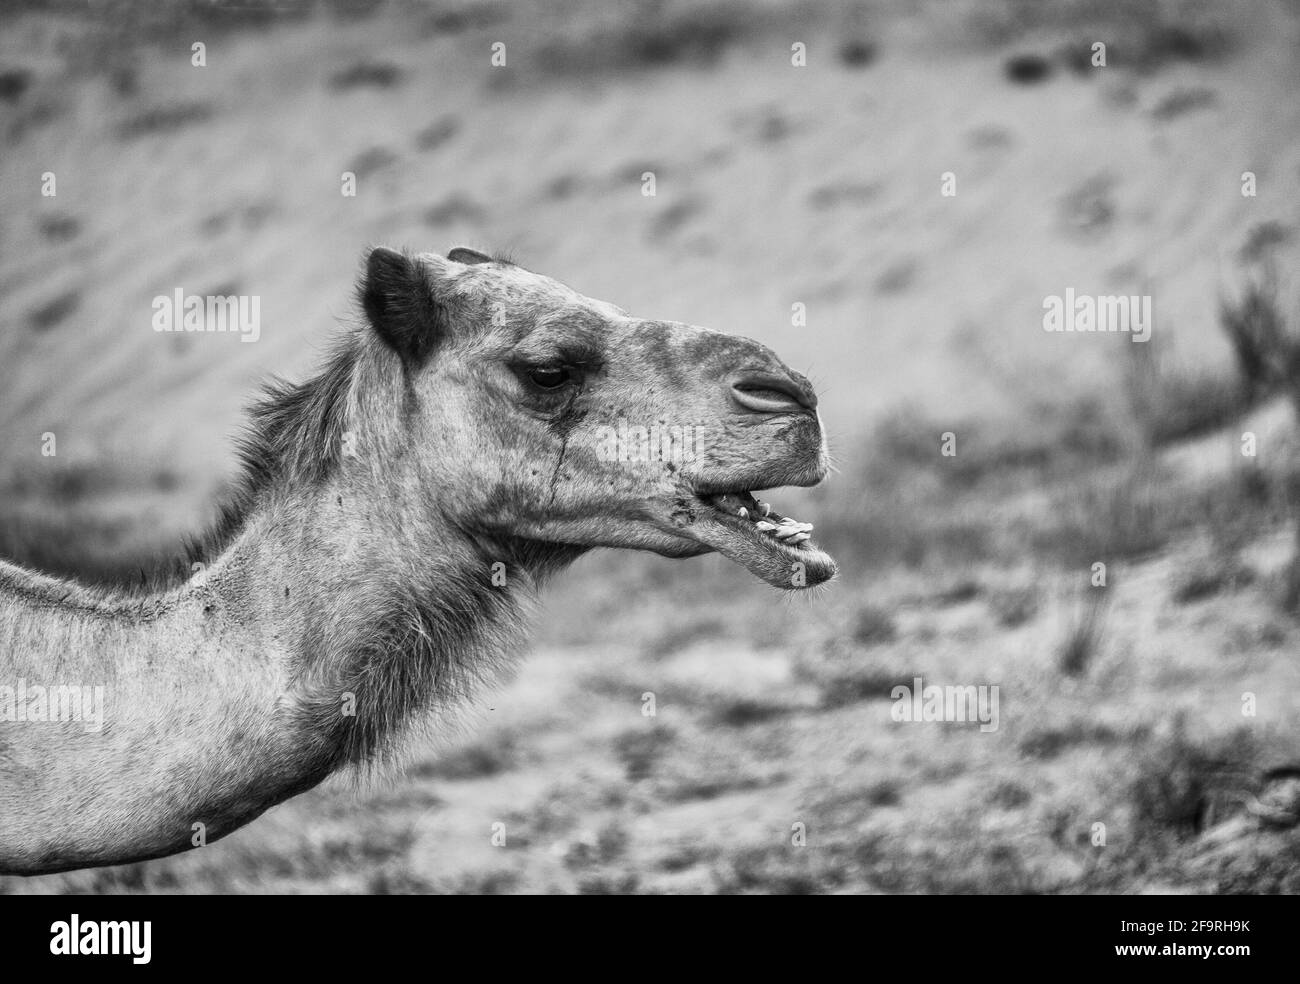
(1161, 706)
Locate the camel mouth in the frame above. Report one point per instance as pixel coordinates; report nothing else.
(777, 549)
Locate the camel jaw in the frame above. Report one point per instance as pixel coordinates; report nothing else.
(774, 548)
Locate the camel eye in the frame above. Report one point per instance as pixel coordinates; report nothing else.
(550, 377)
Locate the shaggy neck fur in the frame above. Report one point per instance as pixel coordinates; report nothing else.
(344, 597)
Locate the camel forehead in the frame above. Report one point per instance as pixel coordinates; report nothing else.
(525, 293)
(533, 310)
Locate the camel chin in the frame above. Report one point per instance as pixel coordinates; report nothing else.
(774, 548)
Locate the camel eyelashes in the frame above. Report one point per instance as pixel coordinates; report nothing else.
(553, 371)
(551, 377)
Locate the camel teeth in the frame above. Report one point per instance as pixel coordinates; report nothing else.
(764, 508)
(743, 513)
(765, 526)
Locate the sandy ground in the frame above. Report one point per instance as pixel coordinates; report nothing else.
(817, 185)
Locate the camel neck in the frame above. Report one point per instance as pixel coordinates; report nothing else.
(311, 642)
(381, 615)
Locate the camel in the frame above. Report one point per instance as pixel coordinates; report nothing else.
(467, 439)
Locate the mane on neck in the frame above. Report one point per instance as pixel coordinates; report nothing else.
(294, 435)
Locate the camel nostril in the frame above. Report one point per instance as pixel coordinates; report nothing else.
(768, 393)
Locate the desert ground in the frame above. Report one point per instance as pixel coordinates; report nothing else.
(1148, 738)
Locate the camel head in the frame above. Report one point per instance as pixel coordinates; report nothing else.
(551, 418)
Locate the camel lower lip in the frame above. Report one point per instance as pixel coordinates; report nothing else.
(735, 525)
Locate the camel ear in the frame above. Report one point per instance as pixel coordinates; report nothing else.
(463, 254)
(398, 297)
